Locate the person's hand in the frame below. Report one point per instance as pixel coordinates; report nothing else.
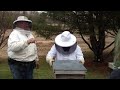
(31, 40)
(82, 61)
(50, 60)
(37, 64)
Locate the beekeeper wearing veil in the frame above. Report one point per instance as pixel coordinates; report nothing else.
(65, 48)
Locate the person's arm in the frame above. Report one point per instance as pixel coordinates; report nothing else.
(37, 57)
(36, 53)
(80, 55)
(14, 43)
(51, 55)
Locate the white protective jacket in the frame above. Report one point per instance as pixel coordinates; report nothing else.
(76, 55)
(18, 49)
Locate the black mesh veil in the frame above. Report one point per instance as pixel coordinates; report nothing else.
(66, 50)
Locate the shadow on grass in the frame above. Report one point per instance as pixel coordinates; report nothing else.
(96, 70)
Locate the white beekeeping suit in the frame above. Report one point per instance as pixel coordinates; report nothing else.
(65, 48)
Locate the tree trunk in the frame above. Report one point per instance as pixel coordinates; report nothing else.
(101, 42)
(97, 44)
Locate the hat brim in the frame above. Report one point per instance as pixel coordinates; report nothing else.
(69, 43)
(22, 20)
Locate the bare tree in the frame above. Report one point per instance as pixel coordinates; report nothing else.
(92, 23)
(6, 18)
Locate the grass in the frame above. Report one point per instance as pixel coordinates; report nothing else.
(5, 71)
(44, 71)
(95, 73)
(94, 70)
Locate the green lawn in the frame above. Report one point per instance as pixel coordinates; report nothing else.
(45, 71)
(94, 74)
(4, 71)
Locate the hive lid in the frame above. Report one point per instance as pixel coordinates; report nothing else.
(68, 65)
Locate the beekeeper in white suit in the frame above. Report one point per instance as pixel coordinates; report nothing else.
(22, 49)
(65, 48)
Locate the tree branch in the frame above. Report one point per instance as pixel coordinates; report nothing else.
(85, 41)
(108, 45)
(75, 13)
(3, 38)
(109, 53)
(110, 33)
(3, 45)
(115, 31)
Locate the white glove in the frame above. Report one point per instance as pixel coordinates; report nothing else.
(50, 60)
(82, 61)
